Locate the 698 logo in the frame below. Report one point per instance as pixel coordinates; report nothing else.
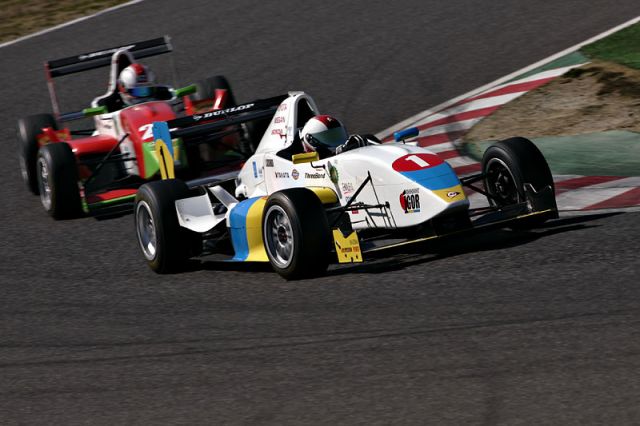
(410, 200)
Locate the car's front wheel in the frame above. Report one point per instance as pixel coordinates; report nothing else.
(165, 245)
(511, 165)
(57, 175)
(296, 233)
(28, 129)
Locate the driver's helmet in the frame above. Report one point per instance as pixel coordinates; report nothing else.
(323, 133)
(136, 84)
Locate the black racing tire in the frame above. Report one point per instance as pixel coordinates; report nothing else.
(166, 245)
(296, 234)
(205, 89)
(57, 176)
(28, 128)
(509, 164)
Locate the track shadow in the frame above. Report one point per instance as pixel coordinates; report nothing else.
(394, 259)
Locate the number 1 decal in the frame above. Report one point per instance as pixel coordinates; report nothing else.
(419, 161)
(416, 162)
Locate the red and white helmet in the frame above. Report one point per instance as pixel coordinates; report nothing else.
(323, 132)
(136, 83)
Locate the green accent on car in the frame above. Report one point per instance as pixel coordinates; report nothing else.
(151, 165)
(88, 112)
(187, 90)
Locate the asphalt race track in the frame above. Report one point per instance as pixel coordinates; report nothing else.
(508, 327)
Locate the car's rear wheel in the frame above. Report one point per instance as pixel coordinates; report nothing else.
(28, 129)
(508, 166)
(165, 245)
(296, 233)
(57, 176)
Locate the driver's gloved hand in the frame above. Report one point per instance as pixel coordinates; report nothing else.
(354, 141)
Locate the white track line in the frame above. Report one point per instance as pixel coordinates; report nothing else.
(66, 24)
(421, 115)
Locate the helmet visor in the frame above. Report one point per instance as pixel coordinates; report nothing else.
(141, 91)
(331, 138)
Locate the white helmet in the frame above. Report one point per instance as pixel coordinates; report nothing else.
(323, 133)
(136, 84)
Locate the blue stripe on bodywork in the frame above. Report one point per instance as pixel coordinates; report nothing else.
(434, 178)
(238, 225)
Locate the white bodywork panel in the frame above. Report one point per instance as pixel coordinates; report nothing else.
(386, 195)
(196, 213)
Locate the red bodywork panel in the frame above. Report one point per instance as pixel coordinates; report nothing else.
(137, 121)
(99, 144)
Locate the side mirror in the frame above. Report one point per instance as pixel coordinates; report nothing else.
(306, 157)
(184, 91)
(90, 112)
(411, 132)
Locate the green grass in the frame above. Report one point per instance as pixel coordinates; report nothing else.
(21, 17)
(622, 47)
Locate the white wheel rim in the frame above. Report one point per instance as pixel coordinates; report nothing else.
(146, 230)
(23, 168)
(43, 184)
(278, 235)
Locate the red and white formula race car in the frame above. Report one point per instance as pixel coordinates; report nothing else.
(301, 211)
(97, 170)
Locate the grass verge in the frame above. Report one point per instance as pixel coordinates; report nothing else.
(622, 47)
(22, 17)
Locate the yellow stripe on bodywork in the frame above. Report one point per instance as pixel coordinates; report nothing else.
(326, 195)
(257, 252)
(452, 194)
(165, 160)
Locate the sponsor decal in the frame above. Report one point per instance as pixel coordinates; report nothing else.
(282, 107)
(294, 174)
(255, 170)
(452, 194)
(269, 162)
(413, 162)
(279, 132)
(282, 175)
(410, 200)
(333, 174)
(278, 119)
(347, 187)
(220, 112)
(314, 175)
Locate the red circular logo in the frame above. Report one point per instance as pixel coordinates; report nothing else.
(403, 201)
(413, 162)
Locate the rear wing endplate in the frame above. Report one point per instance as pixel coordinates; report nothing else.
(101, 58)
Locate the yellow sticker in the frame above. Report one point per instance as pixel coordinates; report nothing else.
(165, 160)
(347, 248)
(450, 195)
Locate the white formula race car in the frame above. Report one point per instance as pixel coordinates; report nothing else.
(301, 213)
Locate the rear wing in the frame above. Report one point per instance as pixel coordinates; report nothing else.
(201, 125)
(101, 58)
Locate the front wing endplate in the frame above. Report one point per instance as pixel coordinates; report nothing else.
(347, 248)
